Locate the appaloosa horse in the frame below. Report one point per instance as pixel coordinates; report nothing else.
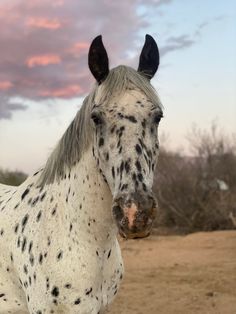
(58, 230)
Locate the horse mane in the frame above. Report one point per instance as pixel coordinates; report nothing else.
(77, 137)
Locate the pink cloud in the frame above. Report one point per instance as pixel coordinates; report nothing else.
(38, 33)
(39, 3)
(5, 85)
(43, 60)
(81, 46)
(58, 3)
(78, 48)
(65, 92)
(9, 16)
(42, 22)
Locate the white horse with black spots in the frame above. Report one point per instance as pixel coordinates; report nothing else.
(58, 229)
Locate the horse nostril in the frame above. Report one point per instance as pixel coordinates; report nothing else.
(147, 203)
(122, 227)
(118, 212)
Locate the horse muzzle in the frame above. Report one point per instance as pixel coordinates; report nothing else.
(134, 215)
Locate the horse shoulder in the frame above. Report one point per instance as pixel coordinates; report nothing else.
(113, 273)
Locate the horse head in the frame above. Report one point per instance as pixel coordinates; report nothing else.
(125, 117)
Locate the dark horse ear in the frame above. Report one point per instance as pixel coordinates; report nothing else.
(149, 58)
(98, 60)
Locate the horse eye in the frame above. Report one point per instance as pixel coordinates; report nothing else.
(96, 118)
(157, 118)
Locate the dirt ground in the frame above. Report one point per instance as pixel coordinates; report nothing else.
(179, 275)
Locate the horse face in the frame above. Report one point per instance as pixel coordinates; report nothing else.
(126, 149)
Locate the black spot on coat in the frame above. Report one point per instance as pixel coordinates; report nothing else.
(24, 194)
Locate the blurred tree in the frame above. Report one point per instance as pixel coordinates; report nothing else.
(189, 189)
(12, 177)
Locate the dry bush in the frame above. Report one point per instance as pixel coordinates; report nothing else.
(12, 177)
(198, 192)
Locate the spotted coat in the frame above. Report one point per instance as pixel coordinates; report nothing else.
(58, 255)
(58, 237)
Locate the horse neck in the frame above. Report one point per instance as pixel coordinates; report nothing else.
(87, 200)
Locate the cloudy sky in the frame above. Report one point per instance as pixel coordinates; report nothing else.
(44, 75)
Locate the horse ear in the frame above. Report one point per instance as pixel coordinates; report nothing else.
(98, 60)
(149, 58)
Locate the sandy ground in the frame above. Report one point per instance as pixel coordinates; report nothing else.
(179, 275)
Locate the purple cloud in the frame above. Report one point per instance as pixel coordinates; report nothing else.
(176, 43)
(44, 44)
(7, 109)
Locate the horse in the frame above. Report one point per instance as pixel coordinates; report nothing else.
(59, 228)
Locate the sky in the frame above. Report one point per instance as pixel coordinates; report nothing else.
(44, 75)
